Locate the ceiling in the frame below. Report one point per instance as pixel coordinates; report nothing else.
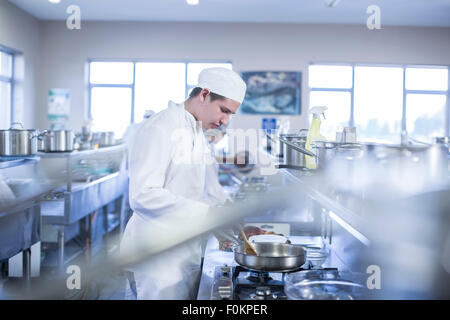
(393, 12)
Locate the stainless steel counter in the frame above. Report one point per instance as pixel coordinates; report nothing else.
(83, 199)
(19, 229)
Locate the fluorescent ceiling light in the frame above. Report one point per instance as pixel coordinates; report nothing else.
(192, 2)
(54, 1)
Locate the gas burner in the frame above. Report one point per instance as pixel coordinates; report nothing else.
(239, 283)
(259, 277)
(265, 293)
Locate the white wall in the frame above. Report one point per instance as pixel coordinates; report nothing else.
(21, 32)
(56, 57)
(248, 46)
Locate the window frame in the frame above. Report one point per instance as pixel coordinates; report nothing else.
(10, 80)
(133, 84)
(351, 121)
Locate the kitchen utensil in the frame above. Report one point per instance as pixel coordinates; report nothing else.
(58, 141)
(349, 135)
(292, 156)
(297, 287)
(249, 249)
(272, 257)
(107, 139)
(316, 256)
(298, 148)
(274, 144)
(327, 151)
(19, 142)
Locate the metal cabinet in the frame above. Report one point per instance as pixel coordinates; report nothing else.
(20, 216)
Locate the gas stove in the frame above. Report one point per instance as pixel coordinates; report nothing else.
(239, 283)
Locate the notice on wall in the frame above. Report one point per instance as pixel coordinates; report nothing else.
(58, 108)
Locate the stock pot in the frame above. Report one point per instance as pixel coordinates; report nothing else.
(326, 151)
(291, 156)
(18, 142)
(107, 139)
(57, 141)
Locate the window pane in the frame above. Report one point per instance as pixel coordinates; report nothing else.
(426, 79)
(5, 64)
(111, 72)
(111, 109)
(338, 113)
(5, 105)
(324, 76)
(425, 116)
(156, 84)
(378, 103)
(194, 69)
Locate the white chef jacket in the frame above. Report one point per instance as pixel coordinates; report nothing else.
(167, 187)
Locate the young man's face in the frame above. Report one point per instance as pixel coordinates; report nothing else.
(215, 113)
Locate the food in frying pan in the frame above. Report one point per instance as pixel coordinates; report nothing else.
(255, 231)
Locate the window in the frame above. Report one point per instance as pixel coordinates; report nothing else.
(426, 92)
(120, 92)
(331, 86)
(378, 100)
(156, 84)
(381, 101)
(6, 87)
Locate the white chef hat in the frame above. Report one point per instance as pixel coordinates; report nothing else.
(224, 82)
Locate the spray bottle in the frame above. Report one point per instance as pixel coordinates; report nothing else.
(314, 134)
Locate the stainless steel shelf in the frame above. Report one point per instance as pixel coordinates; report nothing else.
(82, 153)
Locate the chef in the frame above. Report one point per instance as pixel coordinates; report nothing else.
(169, 183)
(130, 133)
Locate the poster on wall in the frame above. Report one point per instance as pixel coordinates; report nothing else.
(272, 92)
(58, 108)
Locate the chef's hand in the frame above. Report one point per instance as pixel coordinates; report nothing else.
(224, 244)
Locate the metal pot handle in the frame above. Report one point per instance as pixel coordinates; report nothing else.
(43, 134)
(297, 148)
(40, 135)
(16, 122)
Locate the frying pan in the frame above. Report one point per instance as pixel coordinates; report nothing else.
(272, 256)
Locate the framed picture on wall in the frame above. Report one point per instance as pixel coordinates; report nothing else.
(272, 92)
